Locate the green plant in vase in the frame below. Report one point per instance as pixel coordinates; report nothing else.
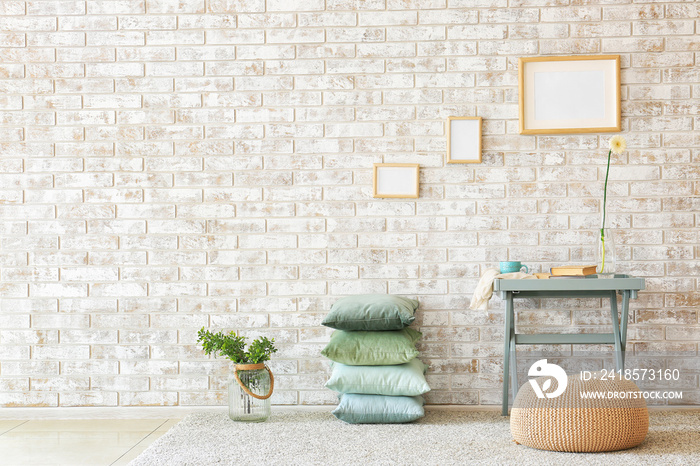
(617, 145)
(233, 347)
(251, 383)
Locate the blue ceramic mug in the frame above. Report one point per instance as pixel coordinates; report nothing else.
(513, 266)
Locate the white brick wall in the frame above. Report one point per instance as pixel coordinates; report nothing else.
(171, 165)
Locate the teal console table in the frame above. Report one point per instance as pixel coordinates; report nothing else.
(589, 287)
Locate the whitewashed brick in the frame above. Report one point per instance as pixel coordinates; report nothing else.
(295, 67)
(476, 32)
(237, 68)
(19, 23)
(147, 23)
(112, 70)
(662, 27)
(55, 8)
(146, 54)
(172, 69)
(87, 23)
(24, 337)
(119, 383)
(286, 36)
(535, 31)
(61, 290)
(111, 39)
(56, 39)
(445, 17)
(570, 14)
(203, 116)
(356, 4)
(355, 35)
(529, 47)
(61, 352)
(476, 64)
(57, 227)
(118, 290)
(294, 5)
(224, 36)
(89, 274)
(87, 86)
(116, 7)
(271, 20)
(90, 117)
(664, 60)
(123, 258)
(17, 55)
(58, 258)
(13, 7)
(149, 211)
(55, 133)
(102, 398)
(174, 37)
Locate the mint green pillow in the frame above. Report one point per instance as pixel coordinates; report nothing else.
(363, 348)
(379, 409)
(400, 380)
(371, 312)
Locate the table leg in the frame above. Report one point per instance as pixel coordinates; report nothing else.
(623, 323)
(616, 330)
(506, 350)
(514, 361)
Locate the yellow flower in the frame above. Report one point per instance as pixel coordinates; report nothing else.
(617, 144)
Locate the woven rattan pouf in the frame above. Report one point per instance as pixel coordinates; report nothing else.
(573, 423)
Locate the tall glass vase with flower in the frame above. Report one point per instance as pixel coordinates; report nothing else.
(605, 252)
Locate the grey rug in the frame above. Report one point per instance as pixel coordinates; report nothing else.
(442, 437)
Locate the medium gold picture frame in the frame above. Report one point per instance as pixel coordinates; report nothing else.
(396, 180)
(464, 139)
(569, 94)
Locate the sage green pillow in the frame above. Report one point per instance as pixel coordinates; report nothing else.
(363, 348)
(400, 380)
(371, 312)
(379, 409)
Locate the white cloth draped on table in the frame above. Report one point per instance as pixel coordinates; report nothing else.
(484, 289)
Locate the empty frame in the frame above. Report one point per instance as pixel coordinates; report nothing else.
(464, 140)
(396, 180)
(578, 94)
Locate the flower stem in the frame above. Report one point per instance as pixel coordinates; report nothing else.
(605, 193)
(605, 200)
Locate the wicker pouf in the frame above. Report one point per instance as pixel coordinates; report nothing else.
(575, 424)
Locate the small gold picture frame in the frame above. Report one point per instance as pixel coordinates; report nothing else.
(464, 140)
(396, 180)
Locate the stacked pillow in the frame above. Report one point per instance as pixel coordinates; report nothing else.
(375, 365)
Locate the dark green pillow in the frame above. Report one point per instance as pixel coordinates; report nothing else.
(371, 312)
(363, 348)
(379, 409)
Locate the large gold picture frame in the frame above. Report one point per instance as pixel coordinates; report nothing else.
(569, 94)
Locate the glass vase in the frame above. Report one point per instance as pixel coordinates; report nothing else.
(605, 254)
(249, 389)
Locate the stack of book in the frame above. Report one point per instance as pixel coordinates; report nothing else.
(569, 271)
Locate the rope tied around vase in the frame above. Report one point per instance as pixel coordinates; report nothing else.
(252, 367)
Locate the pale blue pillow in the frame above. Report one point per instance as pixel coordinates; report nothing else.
(398, 380)
(379, 409)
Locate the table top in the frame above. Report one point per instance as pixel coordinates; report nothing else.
(589, 283)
